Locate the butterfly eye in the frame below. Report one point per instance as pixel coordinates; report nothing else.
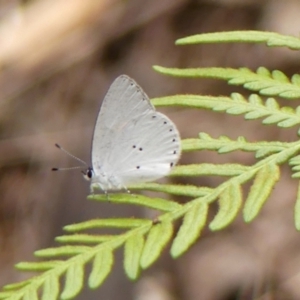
(89, 173)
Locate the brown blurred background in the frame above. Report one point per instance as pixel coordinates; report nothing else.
(57, 60)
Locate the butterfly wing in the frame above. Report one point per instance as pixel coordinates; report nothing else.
(132, 142)
(148, 148)
(123, 102)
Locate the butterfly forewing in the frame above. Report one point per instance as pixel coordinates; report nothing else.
(124, 101)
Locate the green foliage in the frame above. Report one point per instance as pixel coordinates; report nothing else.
(267, 83)
(144, 240)
(271, 39)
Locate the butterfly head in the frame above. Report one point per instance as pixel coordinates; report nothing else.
(88, 174)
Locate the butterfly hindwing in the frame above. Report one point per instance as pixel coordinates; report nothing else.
(147, 149)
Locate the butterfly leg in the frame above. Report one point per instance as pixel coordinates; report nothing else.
(117, 185)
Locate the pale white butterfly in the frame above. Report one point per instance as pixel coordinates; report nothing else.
(132, 142)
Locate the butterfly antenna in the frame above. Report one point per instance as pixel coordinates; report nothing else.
(73, 156)
(66, 169)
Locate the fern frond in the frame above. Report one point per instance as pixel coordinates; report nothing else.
(145, 239)
(254, 108)
(158, 237)
(193, 222)
(31, 294)
(104, 223)
(15, 286)
(157, 203)
(271, 39)
(260, 190)
(51, 287)
(102, 265)
(173, 189)
(38, 266)
(230, 202)
(83, 238)
(132, 253)
(61, 251)
(267, 83)
(208, 169)
(73, 279)
(266, 174)
(223, 145)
